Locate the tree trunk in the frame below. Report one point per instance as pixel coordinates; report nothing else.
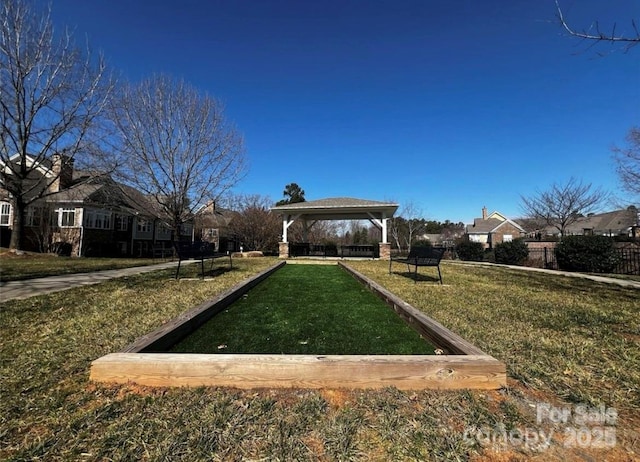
(17, 228)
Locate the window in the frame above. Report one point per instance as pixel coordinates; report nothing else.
(122, 222)
(163, 231)
(66, 218)
(186, 229)
(144, 226)
(210, 233)
(5, 214)
(507, 238)
(97, 219)
(34, 216)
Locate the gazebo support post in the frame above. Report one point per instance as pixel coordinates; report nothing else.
(283, 250)
(385, 251)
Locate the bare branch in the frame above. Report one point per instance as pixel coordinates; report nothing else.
(176, 146)
(253, 224)
(52, 95)
(597, 35)
(562, 204)
(628, 162)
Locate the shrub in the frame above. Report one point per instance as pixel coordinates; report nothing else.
(62, 249)
(489, 256)
(591, 254)
(512, 253)
(422, 243)
(470, 251)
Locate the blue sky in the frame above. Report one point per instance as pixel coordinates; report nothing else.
(450, 105)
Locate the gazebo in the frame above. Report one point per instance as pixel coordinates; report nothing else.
(337, 208)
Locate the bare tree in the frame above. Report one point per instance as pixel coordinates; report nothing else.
(404, 227)
(595, 34)
(414, 226)
(176, 146)
(628, 162)
(396, 225)
(43, 228)
(254, 224)
(563, 204)
(51, 96)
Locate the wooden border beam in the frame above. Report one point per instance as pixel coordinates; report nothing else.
(300, 371)
(467, 367)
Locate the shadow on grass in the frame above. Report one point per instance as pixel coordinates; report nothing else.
(209, 273)
(219, 271)
(417, 277)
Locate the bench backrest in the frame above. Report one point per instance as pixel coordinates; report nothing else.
(186, 250)
(427, 255)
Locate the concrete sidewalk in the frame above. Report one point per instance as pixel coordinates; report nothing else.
(621, 282)
(30, 287)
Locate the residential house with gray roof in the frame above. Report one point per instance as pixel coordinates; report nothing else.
(492, 229)
(624, 222)
(87, 214)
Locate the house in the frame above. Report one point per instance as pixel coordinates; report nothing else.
(624, 222)
(446, 238)
(211, 224)
(85, 214)
(493, 229)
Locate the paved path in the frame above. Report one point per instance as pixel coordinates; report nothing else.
(30, 287)
(620, 282)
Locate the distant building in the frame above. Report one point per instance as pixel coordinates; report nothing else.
(89, 215)
(446, 238)
(211, 224)
(493, 229)
(624, 222)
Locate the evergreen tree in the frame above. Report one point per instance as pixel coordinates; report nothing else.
(293, 194)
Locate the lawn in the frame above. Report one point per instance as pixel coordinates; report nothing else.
(14, 267)
(307, 309)
(565, 341)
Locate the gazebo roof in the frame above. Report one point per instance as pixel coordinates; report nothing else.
(338, 208)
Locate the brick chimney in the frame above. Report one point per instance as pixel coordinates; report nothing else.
(62, 169)
(484, 213)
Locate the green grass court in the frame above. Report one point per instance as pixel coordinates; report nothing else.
(307, 309)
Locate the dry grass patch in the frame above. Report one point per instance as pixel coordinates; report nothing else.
(570, 336)
(541, 326)
(31, 265)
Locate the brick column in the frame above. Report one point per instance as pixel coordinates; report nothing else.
(283, 249)
(385, 251)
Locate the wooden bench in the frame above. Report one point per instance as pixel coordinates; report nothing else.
(198, 251)
(421, 256)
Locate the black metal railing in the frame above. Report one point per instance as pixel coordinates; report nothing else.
(305, 249)
(628, 260)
